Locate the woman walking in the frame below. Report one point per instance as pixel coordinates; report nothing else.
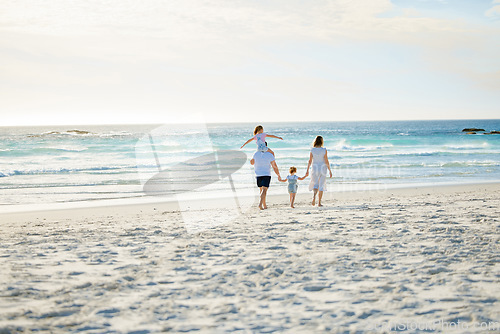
(320, 164)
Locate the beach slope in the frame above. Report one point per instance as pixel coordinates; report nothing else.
(365, 261)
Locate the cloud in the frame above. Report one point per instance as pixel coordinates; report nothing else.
(179, 30)
(227, 55)
(187, 20)
(495, 10)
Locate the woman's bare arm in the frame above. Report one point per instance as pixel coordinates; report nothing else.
(310, 162)
(327, 162)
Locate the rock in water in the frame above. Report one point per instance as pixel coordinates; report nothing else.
(472, 130)
(78, 132)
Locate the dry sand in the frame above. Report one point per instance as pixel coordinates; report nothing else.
(406, 257)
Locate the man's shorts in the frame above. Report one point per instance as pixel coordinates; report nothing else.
(263, 181)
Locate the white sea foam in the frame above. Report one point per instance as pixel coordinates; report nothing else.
(476, 146)
(343, 146)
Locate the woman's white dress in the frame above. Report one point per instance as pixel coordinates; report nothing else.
(319, 169)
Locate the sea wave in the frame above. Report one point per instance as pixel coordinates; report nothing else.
(477, 146)
(343, 146)
(63, 133)
(63, 148)
(452, 164)
(42, 186)
(17, 172)
(76, 155)
(37, 151)
(79, 133)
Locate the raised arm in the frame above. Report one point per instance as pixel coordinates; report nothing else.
(249, 140)
(327, 162)
(303, 177)
(273, 136)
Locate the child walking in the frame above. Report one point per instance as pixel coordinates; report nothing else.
(260, 138)
(292, 183)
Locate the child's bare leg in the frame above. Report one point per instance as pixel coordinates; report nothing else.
(270, 151)
(292, 200)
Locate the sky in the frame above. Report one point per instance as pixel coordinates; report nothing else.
(155, 61)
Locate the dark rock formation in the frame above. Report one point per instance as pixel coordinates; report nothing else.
(78, 132)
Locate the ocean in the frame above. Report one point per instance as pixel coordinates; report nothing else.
(70, 164)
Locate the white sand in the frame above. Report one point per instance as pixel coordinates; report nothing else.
(406, 256)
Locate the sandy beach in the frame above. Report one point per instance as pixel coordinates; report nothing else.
(377, 261)
(139, 140)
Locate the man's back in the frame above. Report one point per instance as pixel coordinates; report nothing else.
(263, 163)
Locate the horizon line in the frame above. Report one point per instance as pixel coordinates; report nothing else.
(253, 122)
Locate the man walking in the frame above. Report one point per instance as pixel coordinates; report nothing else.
(262, 162)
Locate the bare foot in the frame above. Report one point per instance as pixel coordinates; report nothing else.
(261, 208)
(319, 204)
(292, 207)
(313, 202)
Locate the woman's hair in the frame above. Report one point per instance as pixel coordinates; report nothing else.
(293, 170)
(318, 142)
(257, 129)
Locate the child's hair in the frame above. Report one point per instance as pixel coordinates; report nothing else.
(293, 170)
(257, 129)
(318, 142)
